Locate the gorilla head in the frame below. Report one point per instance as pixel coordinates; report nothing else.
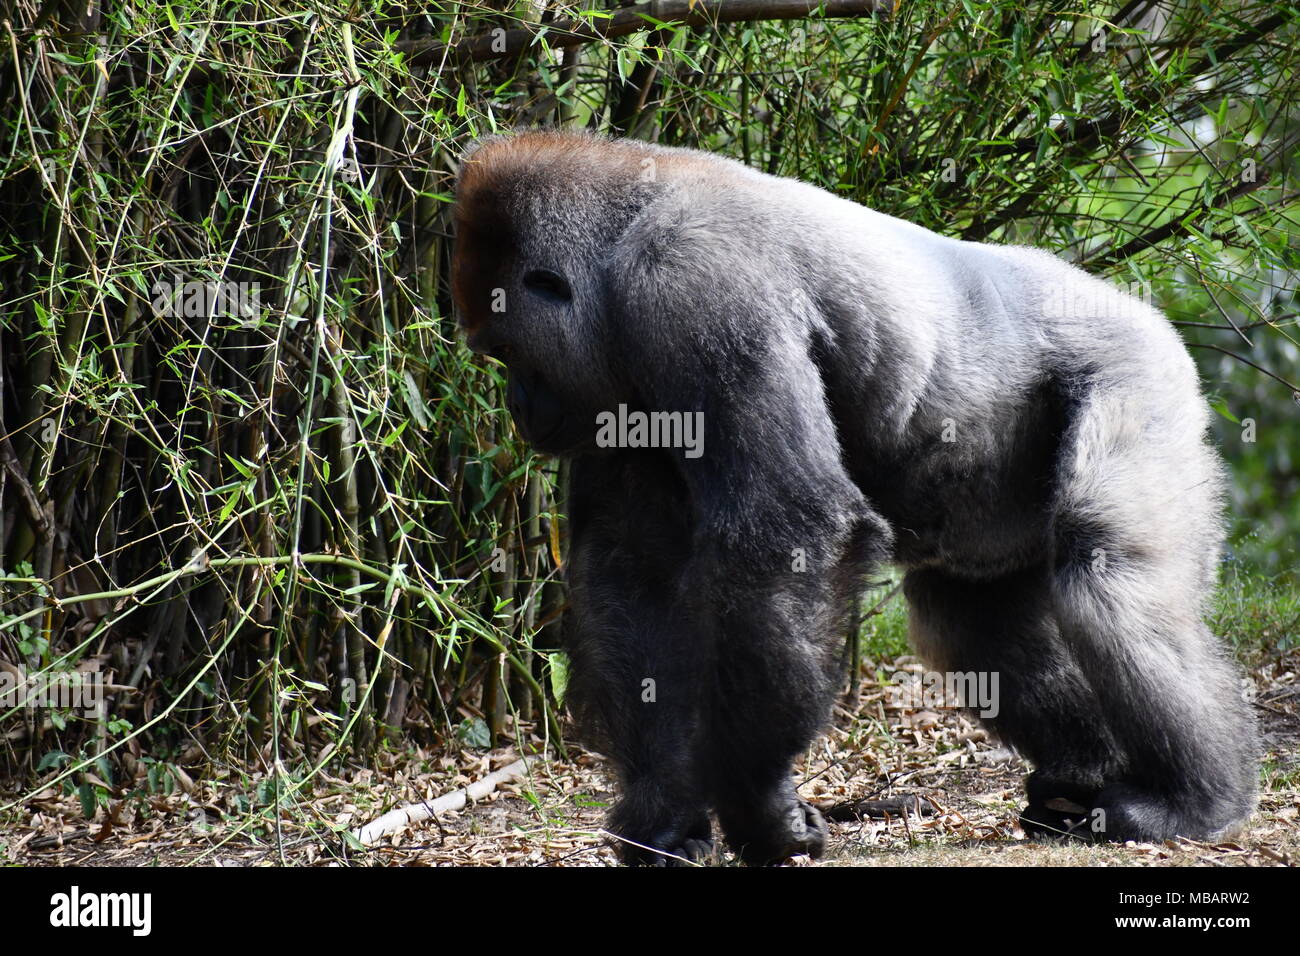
(534, 219)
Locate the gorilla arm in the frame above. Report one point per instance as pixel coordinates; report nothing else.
(771, 479)
(780, 535)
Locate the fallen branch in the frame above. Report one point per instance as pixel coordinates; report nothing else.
(886, 808)
(395, 820)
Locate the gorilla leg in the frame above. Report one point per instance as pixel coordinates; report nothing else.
(1172, 704)
(775, 630)
(773, 684)
(1045, 706)
(1136, 537)
(636, 665)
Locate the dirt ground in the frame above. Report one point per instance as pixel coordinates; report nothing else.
(884, 746)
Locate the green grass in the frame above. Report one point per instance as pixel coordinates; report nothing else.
(884, 633)
(1259, 616)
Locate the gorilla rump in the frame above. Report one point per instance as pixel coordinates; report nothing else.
(1027, 442)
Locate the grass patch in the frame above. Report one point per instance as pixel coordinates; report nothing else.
(1256, 614)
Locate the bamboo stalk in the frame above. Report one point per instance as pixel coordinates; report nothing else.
(395, 820)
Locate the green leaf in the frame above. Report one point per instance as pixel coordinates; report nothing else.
(559, 672)
(414, 400)
(1220, 406)
(473, 732)
(229, 508)
(53, 758)
(86, 793)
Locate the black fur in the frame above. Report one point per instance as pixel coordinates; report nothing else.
(870, 391)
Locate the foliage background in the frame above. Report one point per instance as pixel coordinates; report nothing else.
(304, 528)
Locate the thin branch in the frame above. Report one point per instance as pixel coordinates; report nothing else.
(1171, 227)
(1295, 390)
(500, 42)
(201, 564)
(1084, 136)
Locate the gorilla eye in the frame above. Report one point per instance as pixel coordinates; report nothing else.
(548, 284)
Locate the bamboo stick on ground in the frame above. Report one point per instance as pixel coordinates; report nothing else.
(394, 820)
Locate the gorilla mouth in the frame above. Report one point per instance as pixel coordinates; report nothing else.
(541, 441)
(537, 411)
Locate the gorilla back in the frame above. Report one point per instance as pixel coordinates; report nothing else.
(1027, 442)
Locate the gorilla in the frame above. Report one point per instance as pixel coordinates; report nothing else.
(1027, 443)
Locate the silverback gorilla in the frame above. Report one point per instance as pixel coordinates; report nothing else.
(1026, 442)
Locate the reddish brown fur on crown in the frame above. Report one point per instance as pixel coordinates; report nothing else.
(500, 168)
(488, 178)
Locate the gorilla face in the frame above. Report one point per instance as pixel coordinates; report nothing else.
(527, 336)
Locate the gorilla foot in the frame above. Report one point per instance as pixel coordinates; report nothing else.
(1120, 812)
(669, 846)
(1127, 812)
(1056, 820)
(1043, 787)
(793, 828)
(690, 852)
(1058, 808)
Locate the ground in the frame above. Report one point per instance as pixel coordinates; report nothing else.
(881, 745)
